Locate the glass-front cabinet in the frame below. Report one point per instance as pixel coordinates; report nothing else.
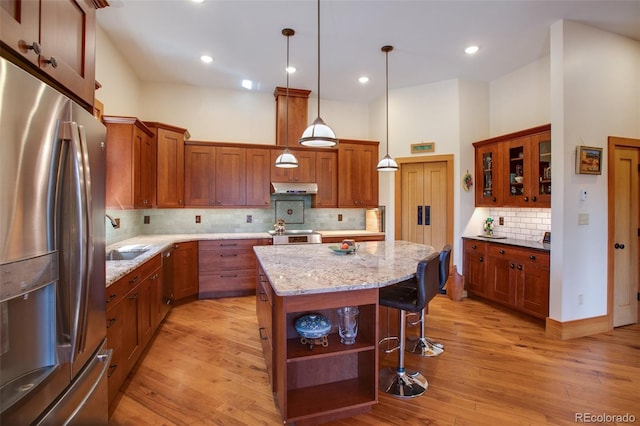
(488, 185)
(514, 170)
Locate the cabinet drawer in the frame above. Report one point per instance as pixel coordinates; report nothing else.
(228, 244)
(518, 254)
(115, 373)
(475, 246)
(243, 279)
(116, 291)
(226, 260)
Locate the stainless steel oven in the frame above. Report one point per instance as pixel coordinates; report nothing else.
(301, 236)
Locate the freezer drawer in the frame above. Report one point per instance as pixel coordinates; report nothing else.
(85, 401)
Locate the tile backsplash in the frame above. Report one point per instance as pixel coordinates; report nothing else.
(183, 221)
(521, 223)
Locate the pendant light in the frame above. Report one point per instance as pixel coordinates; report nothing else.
(287, 159)
(318, 134)
(387, 164)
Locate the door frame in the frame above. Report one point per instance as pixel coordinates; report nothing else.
(614, 142)
(448, 158)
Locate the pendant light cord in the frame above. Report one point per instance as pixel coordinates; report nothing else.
(286, 115)
(386, 54)
(318, 58)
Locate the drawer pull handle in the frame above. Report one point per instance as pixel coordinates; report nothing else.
(532, 257)
(474, 247)
(229, 276)
(481, 258)
(112, 369)
(134, 279)
(111, 297)
(263, 334)
(263, 297)
(511, 265)
(133, 296)
(501, 252)
(229, 245)
(228, 255)
(519, 267)
(111, 321)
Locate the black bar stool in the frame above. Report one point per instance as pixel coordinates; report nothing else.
(425, 346)
(410, 295)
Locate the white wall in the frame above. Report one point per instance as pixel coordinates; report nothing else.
(595, 87)
(120, 92)
(521, 99)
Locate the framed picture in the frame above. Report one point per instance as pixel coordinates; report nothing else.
(588, 160)
(419, 148)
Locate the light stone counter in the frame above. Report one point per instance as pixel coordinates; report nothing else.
(314, 268)
(155, 244)
(350, 233)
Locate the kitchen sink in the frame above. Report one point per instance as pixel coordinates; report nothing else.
(125, 254)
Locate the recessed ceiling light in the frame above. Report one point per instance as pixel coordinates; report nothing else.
(198, 1)
(206, 59)
(470, 50)
(247, 84)
(363, 79)
(290, 69)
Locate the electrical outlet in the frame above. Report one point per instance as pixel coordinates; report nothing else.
(147, 220)
(580, 299)
(501, 220)
(198, 219)
(339, 218)
(117, 221)
(249, 218)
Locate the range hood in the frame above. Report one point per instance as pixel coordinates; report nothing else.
(293, 188)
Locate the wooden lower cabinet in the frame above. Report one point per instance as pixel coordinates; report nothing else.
(130, 319)
(514, 276)
(227, 267)
(357, 239)
(185, 270)
(325, 383)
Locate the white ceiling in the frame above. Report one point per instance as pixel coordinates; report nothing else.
(163, 39)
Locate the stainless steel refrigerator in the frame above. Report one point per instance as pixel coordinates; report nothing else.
(53, 360)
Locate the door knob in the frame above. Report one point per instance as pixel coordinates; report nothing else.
(619, 246)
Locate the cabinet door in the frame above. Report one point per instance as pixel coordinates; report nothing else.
(67, 35)
(327, 178)
(474, 267)
(185, 270)
(518, 176)
(156, 299)
(144, 169)
(145, 317)
(231, 176)
(488, 176)
(305, 172)
(500, 279)
(20, 27)
(131, 338)
(200, 180)
(258, 177)
(170, 181)
(358, 176)
(532, 288)
(540, 188)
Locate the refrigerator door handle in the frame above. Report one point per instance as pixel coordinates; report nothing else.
(80, 307)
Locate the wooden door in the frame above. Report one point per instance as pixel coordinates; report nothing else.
(424, 203)
(170, 190)
(144, 169)
(231, 176)
(258, 175)
(199, 185)
(185, 270)
(624, 190)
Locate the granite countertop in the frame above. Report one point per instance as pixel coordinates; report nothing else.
(350, 233)
(537, 245)
(315, 268)
(155, 244)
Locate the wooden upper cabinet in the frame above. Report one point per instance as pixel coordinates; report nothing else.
(131, 164)
(327, 178)
(298, 100)
(170, 164)
(305, 172)
(514, 170)
(58, 37)
(258, 177)
(231, 176)
(358, 176)
(199, 176)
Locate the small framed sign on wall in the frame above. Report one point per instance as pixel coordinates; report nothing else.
(588, 160)
(419, 148)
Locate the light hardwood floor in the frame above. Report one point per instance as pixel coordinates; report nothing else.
(205, 367)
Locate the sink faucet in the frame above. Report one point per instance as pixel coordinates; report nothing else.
(114, 222)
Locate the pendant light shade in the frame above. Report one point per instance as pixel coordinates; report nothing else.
(387, 164)
(318, 134)
(287, 159)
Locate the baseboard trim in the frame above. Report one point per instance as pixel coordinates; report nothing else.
(576, 328)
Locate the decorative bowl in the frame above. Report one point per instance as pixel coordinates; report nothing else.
(339, 250)
(313, 326)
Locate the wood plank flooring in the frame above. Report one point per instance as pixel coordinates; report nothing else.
(205, 367)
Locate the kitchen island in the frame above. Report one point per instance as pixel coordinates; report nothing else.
(319, 384)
